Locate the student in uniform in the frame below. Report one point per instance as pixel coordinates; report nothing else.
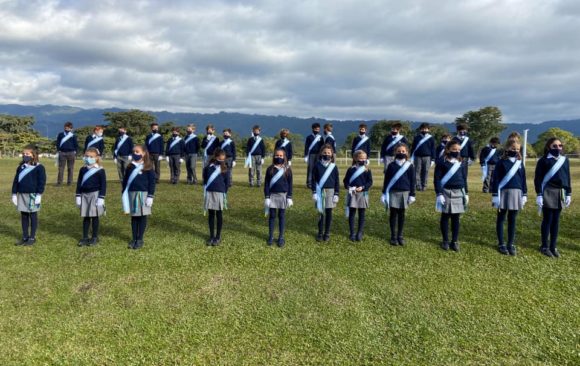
(138, 193)
(229, 147)
(90, 195)
(399, 191)
(440, 150)
(27, 189)
(312, 147)
(96, 140)
(362, 141)
(285, 143)
(66, 147)
(452, 194)
(358, 180)
(215, 189)
(329, 138)
(191, 150)
(488, 158)
(388, 147)
(174, 154)
(325, 190)
(423, 155)
(209, 143)
(154, 145)
(554, 190)
(255, 150)
(509, 194)
(122, 152)
(467, 151)
(278, 195)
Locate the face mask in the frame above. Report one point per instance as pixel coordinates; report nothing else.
(121, 133)
(314, 132)
(512, 153)
(27, 159)
(463, 133)
(226, 136)
(89, 161)
(454, 154)
(361, 163)
(326, 157)
(175, 134)
(155, 130)
(282, 137)
(220, 161)
(137, 157)
(361, 133)
(394, 133)
(424, 132)
(99, 134)
(278, 160)
(444, 142)
(400, 156)
(256, 134)
(210, 133)
(555, 152)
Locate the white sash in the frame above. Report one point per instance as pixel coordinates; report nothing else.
(506, 179)
(94, 141)
(423, 140)
(66, 137)
(125, 196)
(319, 187)
(248, 163)
(361, 142)
(24, 172)
(456, 166)
(120, 143)
(394, 142)
(402, 170)
(89, 173)
(485, 168)
(174, 142)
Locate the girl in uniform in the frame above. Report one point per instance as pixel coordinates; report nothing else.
(452, 194)
(399, 191)
(138, 193)
(27, 190)
(509, 193)
(554, 190)
(215, 189)
(90, 195)
(278, 195)
(325, 190)
(358, 180)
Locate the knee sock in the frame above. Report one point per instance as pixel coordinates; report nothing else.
(393, 221)
(135, 227)
(320, 223)
(546, 223)
(512, 215)
(361, 219)
(501, 214)
(142, 227)
(444, 225)
(281, 222)
(220, 218)
(33, 224)
(455, 227)
(25, 222)
(86, 223)
(351, 217)
(271, 222)
(211, 222)
(554, 228)
(401, 219)
(327, 221)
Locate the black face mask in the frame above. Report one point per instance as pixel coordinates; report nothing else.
(394, 133)
(454, 154)
(121, 133)
(27, 159)
(512, 153)
(315, 132)
(326, 157)
(278, 160)
(220, 161)
(361, 163)
(444, 142)
(175, 134)
(400, 156)
(155, 130)
(555, 152)
(256, 134)
(424, 132)
(137, 157)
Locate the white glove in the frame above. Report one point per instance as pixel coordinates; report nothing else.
(267, 202)
(384, 199)
(180, 161)
(467, 199)
(432, 164)
(160, 158)
(289, 163)
(495, 201)
(411, 200)
(314, 197)
(351, 190)
(441, 200)
(233, 164)
(469, 162)
(568, 201)
(540, 201)
(306, 159)
(115, 160)
(78, 201)
(289, 202)
(149, 202)
(130, 158)
(262, 162)
(100, 202)
(524, 200)
(15, 200)
(167, 159)
(37, 199)
(335, 199)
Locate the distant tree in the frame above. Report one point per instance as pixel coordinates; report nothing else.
(347, 145)
(571, 143)
(15, 133)
(383, 128)
(136, 121)
(483, 124)
(530, 151)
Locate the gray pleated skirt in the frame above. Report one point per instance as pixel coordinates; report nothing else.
(215, 201)
(511, 199)
(278, 201)
(26, 202)
(454, 203)
(399, 199)
(358, 200)
(328, 195)
(553, 198)
(89, 206)
(138, 207)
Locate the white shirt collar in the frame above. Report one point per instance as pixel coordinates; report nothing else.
(550, 156)
(513, 160)
(400, 162)
(452, 160)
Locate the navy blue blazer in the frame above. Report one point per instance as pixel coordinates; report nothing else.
(33, 182)
(502, 167)
(97, 182)
(333, 180)
(365, 180)
(69, 145)
(283, 185)
(155, 147)
(144, 182)
(406, 183)
(560, 180)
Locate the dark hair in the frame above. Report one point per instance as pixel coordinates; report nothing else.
(315, 125)
(508, 144)
(98, 127)
(324, 147)
(362, 125)
(397, 125)
(68, 124)
(256, 127)
(448, 148)
(154, 124)
(34, 152)
(227, 130)
(176, 129)
(214, 158)
(461, 127)
(327, 126)
(147, 164)
(424, 125)
(548, 144)
(209, 126)
(494, 140)
(445, 135)
(402, 144)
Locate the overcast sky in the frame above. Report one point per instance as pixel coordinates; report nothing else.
(419, 60)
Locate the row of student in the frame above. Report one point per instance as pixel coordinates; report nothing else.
(509, 193)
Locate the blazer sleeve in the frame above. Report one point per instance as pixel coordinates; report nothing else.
(167, 147)
(539, 176)
(226, 180)
(524, 183)
(75, 143)
(267, 181)
(15, 182)
(151, 185)
(41, 179)
(496, 178)
(568, 183)
(79, 181)
(263, 147)
(470, 150)
(386, 180)
(433, 154)
(234, 156)
(369, 180)
(346, 178)
(103, 184)
(384, 148)
(336, 181)
(437, 178)
(413, 180)
(290, 179)
(289, 151)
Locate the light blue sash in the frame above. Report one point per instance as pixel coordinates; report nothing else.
(66, 137)
(423, 140)
(120, 143)
(190, 137)
(555, 168)
(226, 143)
(355, 175)
(394, 142)
(361, 142)
(464, 142)
(320, 202)
(174, 142)
(94, 141)
(402, 170)
(273, 181)
(284, 143)
(506, 179)
(209, 143)
(312, 144)
(212, 177)
(125, 197)
(24, 172)
(89, 173)
(485, 167)
(248, 163)
(456, 166)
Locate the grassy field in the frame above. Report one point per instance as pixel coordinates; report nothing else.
(177, 301)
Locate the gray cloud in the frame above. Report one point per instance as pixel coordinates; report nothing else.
(419, 60)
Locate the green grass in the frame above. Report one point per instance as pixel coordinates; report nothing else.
(178, 302)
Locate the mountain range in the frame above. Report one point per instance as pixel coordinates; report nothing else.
(50, 118)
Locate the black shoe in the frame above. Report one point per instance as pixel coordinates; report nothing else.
(454, 246)
(216, 242)
(21, 241)
(352, 237)
(93, 241)
(281, 242)
(545, 251)
(131, 244)
(359, 236)
(394, 241)
(326, 237)
(445, 245)
(83, 242)
(270, 241)
(209, 242)
(555, 252)
(319, 237)
(401, 241)
(512, 250)
(138, 244)
(29, 242)
(503, 249)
